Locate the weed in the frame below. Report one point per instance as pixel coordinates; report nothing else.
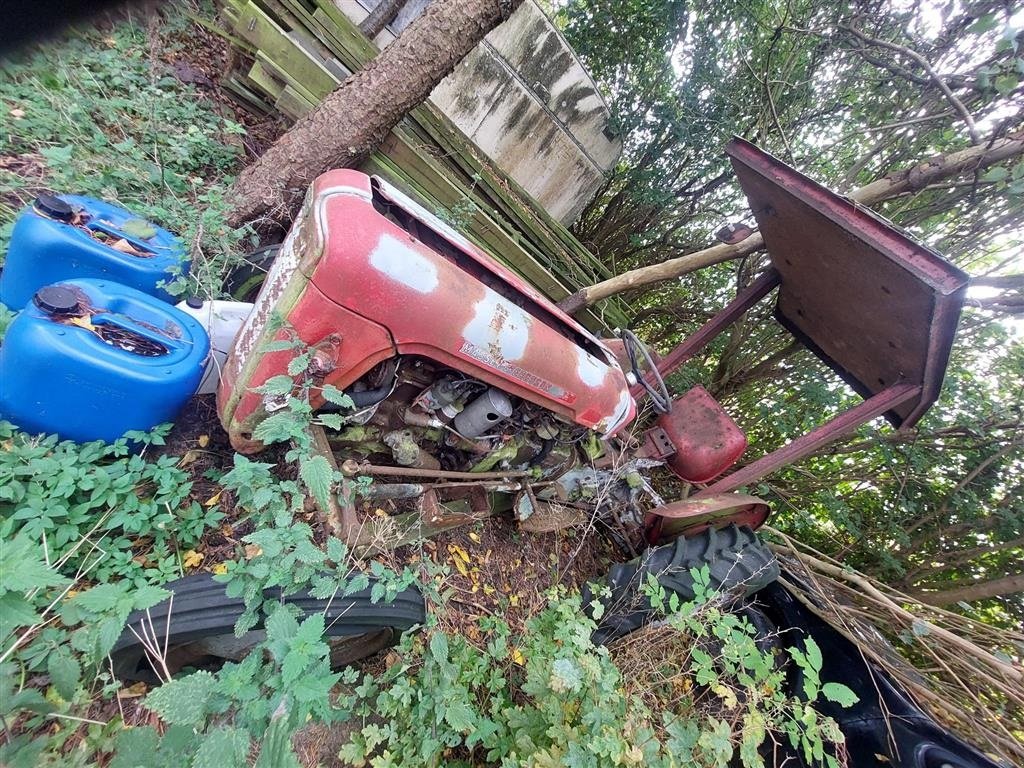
(99, 115)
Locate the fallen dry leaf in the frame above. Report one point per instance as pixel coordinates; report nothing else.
(124, 246)
(220, 569)
(213, 499)
(192, 559)
(204, 440)
(133, 691)
(252, 550)
(82, 322)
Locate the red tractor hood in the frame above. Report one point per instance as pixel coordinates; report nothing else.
(363, 247)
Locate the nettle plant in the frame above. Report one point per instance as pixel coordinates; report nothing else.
(101, 508)
(551, 698)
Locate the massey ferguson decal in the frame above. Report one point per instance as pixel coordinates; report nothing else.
(472, 350)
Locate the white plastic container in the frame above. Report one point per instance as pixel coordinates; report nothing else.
(222, 321)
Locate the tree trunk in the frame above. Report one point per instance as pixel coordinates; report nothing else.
(354, 119)
(380, 17)
(1006, 585)
(936, 168)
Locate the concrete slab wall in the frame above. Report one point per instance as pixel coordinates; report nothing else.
(525, 99)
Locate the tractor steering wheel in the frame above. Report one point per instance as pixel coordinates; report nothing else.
(660, 398)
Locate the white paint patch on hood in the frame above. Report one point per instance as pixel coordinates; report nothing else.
(590, 370)
(499, 327)
(404, 264)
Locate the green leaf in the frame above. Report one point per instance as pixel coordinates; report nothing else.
(318, 475)
(840, 694)
(222, 748)
(134, 747)
(277, 385)
(814, 658)
(299, 363)
(65, 672)
(183, 701)
(107, 633)
(984, 23)
(23, 567)
(139, 228)
(459, 715)
(1005, 84)
(280, 345)
(15, 611)
(997, 173)
(333, 421)
(920, 628)
(334, 395)
(276, 746)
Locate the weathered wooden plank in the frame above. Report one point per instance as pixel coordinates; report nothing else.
(305, 72)
(293, 103)
(263, 77)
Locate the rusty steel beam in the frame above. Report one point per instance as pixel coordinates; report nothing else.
(728, 315)
(841, 425)
(352, 468)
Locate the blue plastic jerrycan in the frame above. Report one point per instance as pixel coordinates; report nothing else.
(91, 360)
(69, 237)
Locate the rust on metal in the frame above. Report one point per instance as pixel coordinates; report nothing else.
(878, 307)
(691, 516)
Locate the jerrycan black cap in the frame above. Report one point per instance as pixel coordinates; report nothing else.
(54, 207)
(56, 300)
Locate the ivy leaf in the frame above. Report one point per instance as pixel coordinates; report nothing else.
(840, 694)
(316, 472)
(65, 672)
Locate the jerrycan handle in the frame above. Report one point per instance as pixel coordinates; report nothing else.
(144, 330)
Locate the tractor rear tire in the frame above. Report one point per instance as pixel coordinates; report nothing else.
(737, 562)
(202, 620)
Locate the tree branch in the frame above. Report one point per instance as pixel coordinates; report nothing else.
(895, 184)
(927, 67)
(981, 590)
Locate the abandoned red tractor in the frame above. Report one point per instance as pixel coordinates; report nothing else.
(469, 394)
(465, 381)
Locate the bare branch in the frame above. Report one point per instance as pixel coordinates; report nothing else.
(923, 62)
